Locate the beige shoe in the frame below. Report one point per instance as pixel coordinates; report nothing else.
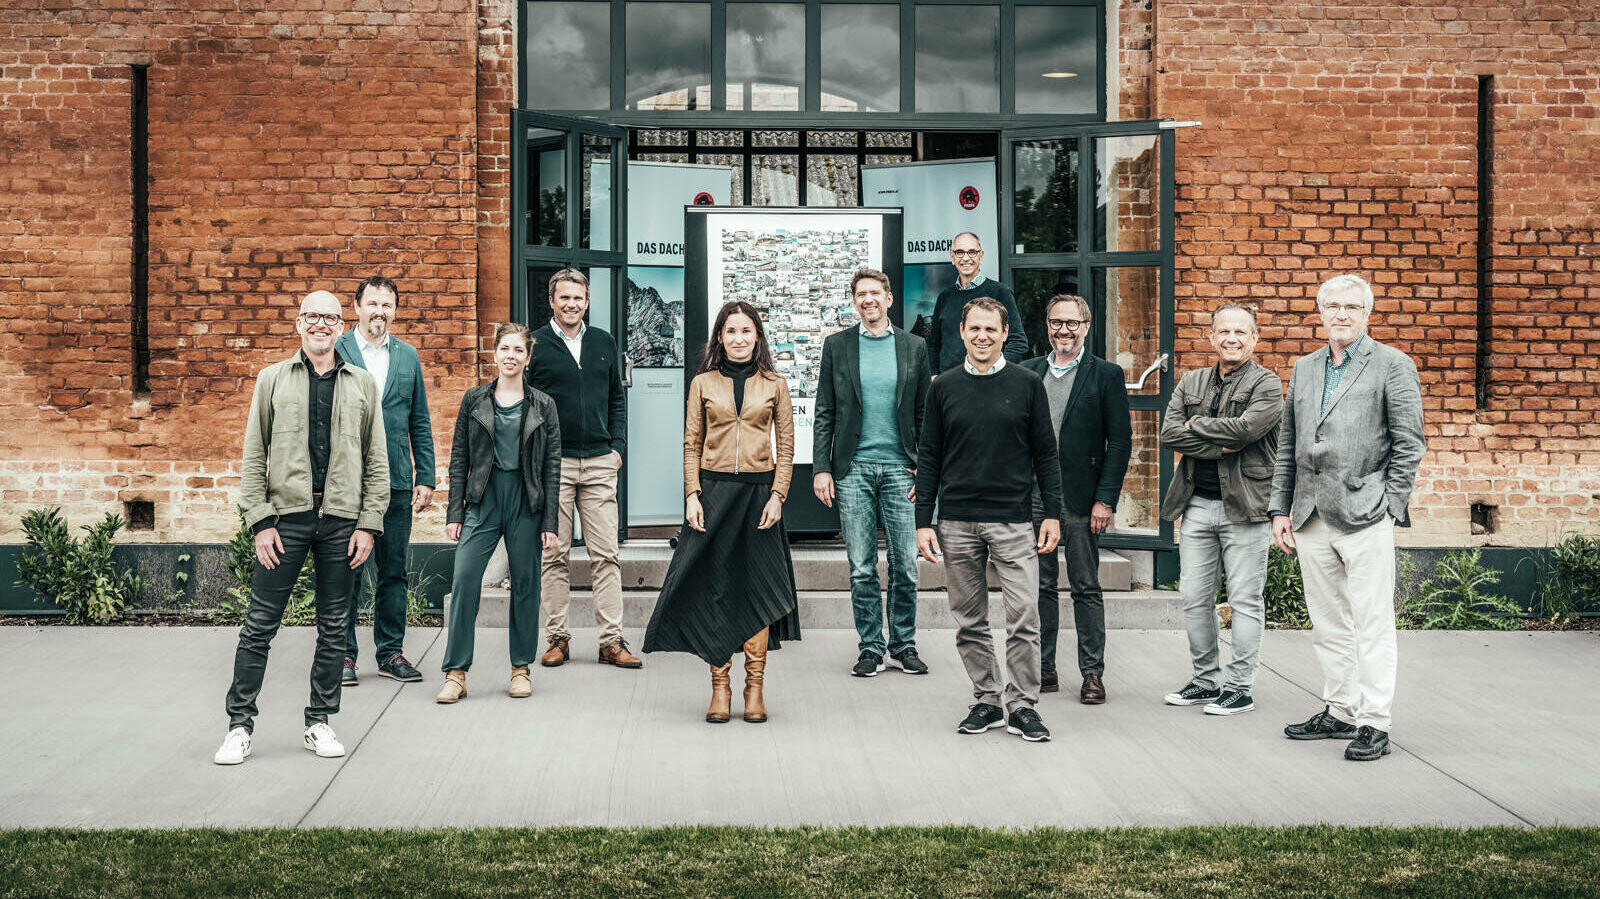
(521, 683)
(455, 686)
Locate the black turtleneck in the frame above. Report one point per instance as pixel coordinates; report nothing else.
(738, 372)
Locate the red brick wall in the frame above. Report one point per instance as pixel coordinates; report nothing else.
(297, 148)
(1343, 138)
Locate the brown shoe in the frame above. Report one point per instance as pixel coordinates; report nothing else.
(1049, 682)
(721, 694)
(1093, 692)
(521, 683)
(755, 667)
(557, 653)
(616, 653)
(455, 686)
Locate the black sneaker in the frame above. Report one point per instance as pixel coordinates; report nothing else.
(982, 716)
(1321, 726)
(398, 668)
(1193, 694)
(1232, 702)
(1369, 745)
(868, 665)
(1026, 724)
(349, 674)
(908, 661)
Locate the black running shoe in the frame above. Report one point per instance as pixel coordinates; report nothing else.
(1321, 726)
(982, 716)
(1369, 745)
(868, 665)
(1193, 694)
(908, 661)
(1026, 724)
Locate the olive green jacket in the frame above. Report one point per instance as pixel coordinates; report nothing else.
(277, 451)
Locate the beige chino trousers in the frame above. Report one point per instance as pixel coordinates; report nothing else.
(1349, 579)
(588, 486)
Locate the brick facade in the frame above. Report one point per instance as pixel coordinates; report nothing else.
(314, 143)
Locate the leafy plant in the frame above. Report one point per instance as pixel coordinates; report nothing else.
(79, 576)
(1456, 597)
(1570, 576)
(1284, 594)
(417, 614)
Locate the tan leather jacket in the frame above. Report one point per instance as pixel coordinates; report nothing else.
(716, 439)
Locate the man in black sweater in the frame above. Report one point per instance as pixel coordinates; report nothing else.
(580, 368)
(945, 346)
(986, 438)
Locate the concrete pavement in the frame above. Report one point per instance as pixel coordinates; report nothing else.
(115, 727)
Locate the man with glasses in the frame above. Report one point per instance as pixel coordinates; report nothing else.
(1224, 420)
(1094, 437)
(1348, 450)
(945, 349)
(315, 482)
(396, 370)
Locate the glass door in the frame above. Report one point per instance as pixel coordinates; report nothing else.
(1088, 211)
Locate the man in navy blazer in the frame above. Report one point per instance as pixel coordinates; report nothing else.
(395, 366)
(1094, 438)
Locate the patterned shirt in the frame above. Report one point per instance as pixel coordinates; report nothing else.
(1333, 374)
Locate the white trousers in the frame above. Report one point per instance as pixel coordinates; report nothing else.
(1349, 580)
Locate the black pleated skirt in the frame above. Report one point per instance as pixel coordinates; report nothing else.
(727, 583)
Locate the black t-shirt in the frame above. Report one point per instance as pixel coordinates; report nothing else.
(321, 423)
(1207, 483)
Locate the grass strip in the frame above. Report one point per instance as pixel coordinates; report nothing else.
(845, 862)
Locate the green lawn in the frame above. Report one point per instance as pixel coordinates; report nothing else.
(1317, 862)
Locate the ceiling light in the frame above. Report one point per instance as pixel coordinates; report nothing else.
(1060, 75)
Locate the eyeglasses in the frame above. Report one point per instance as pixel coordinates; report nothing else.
(1350, 309)
(966, 254)
(331, 319)
(1066, 324)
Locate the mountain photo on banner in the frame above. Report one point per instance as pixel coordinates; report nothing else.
(655, 316)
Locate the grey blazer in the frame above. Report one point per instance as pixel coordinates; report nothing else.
(1358, 460)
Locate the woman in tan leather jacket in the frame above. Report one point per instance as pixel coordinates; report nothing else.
(731, 581)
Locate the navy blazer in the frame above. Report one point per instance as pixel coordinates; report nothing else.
(1096, 435)
(405, 412)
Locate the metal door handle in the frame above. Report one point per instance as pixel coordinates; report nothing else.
(1160, 363)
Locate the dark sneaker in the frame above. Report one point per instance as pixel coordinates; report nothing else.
(1369, 745)
(1026, 724)
(398, 668)
(1048, 682)
(908, 661)
(982, 716)
(1193, 694)
(1232, 702)
(1321, 726)
(868, 665)
(349, 674)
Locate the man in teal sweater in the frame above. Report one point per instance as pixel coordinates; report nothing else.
(397, 369)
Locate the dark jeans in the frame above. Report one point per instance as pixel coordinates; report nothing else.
(388, 565)
(1082, 550)
(329, 540)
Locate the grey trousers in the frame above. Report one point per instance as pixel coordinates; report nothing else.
(968, 548)
(1208, 545)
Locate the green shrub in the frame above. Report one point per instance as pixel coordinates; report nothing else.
(1456, 597)
(1284, 593)
(79, 576)
(1570, 576)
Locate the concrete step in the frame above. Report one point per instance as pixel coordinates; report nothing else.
(1134, 610)
(817, 566)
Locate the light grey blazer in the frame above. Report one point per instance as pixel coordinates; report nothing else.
(1358, 460)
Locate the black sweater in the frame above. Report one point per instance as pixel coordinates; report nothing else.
(590, 401)
(945, 348)
(985, 439)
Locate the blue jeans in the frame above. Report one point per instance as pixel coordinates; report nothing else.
(870, 495)
(1208, 545)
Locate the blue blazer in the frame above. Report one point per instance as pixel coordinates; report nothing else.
(405, 412)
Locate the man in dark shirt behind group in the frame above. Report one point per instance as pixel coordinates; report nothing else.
(946, 348)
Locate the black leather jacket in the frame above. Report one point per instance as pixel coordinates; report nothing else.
(472, 454)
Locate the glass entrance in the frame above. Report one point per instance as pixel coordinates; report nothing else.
(1089, 212)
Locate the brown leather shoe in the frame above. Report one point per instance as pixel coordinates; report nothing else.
(1093, 692)
(455, 686)
(1049, 682)
(558, 652)
(721, 694)
(521, 683)
(616, 653)
(755, 667)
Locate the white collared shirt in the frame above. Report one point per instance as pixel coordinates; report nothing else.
(1060, 371)
(977, 281)
(574, 344)
(998, 364)
(375, 358)
(888, 329)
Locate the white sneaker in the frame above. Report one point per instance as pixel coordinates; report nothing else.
(235, 747)
(319, 738)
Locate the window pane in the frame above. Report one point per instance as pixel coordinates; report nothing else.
(594, 223)
(775, 180)
(831, 139)
(831, 180)
(1034, 287)
(888, 139)
(735, 165)
(567, 59)
(1138, 510)
(1057, 59)
(653, 137)
(1131, 302)
(775, 139)
(958, 52)
(1045, 191)
(547, 188)
(860, 58)
(1128, 193)
(668, 59)
(766, 55)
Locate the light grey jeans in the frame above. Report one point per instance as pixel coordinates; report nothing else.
(968, 548)
(1208, 545)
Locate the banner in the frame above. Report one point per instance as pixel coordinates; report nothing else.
(657, 193)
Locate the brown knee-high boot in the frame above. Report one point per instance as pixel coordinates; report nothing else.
(755, 666)
(721, 694)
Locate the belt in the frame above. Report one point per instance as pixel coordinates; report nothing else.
(316, 500)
